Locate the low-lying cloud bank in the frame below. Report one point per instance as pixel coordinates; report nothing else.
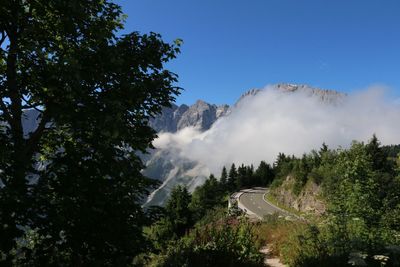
(261, 126)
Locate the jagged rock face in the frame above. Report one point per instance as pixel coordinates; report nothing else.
(247, 94)
(168, 120)
(328, 96)
(201, 115)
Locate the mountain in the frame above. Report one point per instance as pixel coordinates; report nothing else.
(167, 165)
(170, 168)
(201, 115)
(327, 96)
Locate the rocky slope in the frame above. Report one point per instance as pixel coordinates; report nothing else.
(308, 201)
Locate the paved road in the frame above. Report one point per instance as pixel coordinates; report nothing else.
(252, 200)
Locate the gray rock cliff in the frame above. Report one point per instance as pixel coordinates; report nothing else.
(201, 115)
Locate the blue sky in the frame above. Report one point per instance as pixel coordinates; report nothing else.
(231, 46)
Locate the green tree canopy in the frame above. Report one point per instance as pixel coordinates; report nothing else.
(75, 179)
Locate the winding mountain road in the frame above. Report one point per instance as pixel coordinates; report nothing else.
(253, 203)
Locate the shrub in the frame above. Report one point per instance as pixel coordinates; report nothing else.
(228, 242)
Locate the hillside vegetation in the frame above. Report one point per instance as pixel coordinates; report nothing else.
(358, 225)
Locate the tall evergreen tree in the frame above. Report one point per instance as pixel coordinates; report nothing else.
(324, 148)
(232, 177)
(224, 178)
(264, 174)
(378, 155)
(240, 181)
(178, 211)
(206, 197)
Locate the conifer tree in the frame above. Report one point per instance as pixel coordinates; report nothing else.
(232, 177)
(378, 155)
(178, 211)
(224, 178)
(264, 174)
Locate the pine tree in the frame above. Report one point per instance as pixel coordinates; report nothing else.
(224, 178)
(264, 174)
(240, 181)
(178, 211)
(378, 156)
(232, 177)
(324, 148)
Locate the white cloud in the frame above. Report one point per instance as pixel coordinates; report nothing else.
(294, 123)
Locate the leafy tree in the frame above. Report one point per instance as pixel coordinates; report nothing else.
(355, 206)
(74, 182)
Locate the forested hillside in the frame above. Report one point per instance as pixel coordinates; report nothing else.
(359, 187)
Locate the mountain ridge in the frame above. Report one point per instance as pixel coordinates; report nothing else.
(202, 114)
(171, 169)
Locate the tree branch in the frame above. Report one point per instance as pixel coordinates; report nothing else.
(6, 112)
(12, 86)
(34, 139)
(28, 105)
(3, 37)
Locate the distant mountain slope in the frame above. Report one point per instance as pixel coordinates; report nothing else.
(171, 169)
(166, 165)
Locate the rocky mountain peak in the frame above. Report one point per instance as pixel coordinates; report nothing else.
(325, 95)
(201, 115)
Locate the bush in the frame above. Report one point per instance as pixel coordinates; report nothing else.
(228, 242)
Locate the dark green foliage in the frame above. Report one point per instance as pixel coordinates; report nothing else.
(176, 219)
(392, 151)
(207, 196)
(241, 178)
(232, 178)
(264, 174)
(224, 178)
(178, 211)
(223, 243)
(74, 184)
(378, 156)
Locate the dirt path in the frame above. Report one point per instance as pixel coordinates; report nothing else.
(270, 260)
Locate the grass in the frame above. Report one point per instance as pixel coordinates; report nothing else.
(278, 234)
